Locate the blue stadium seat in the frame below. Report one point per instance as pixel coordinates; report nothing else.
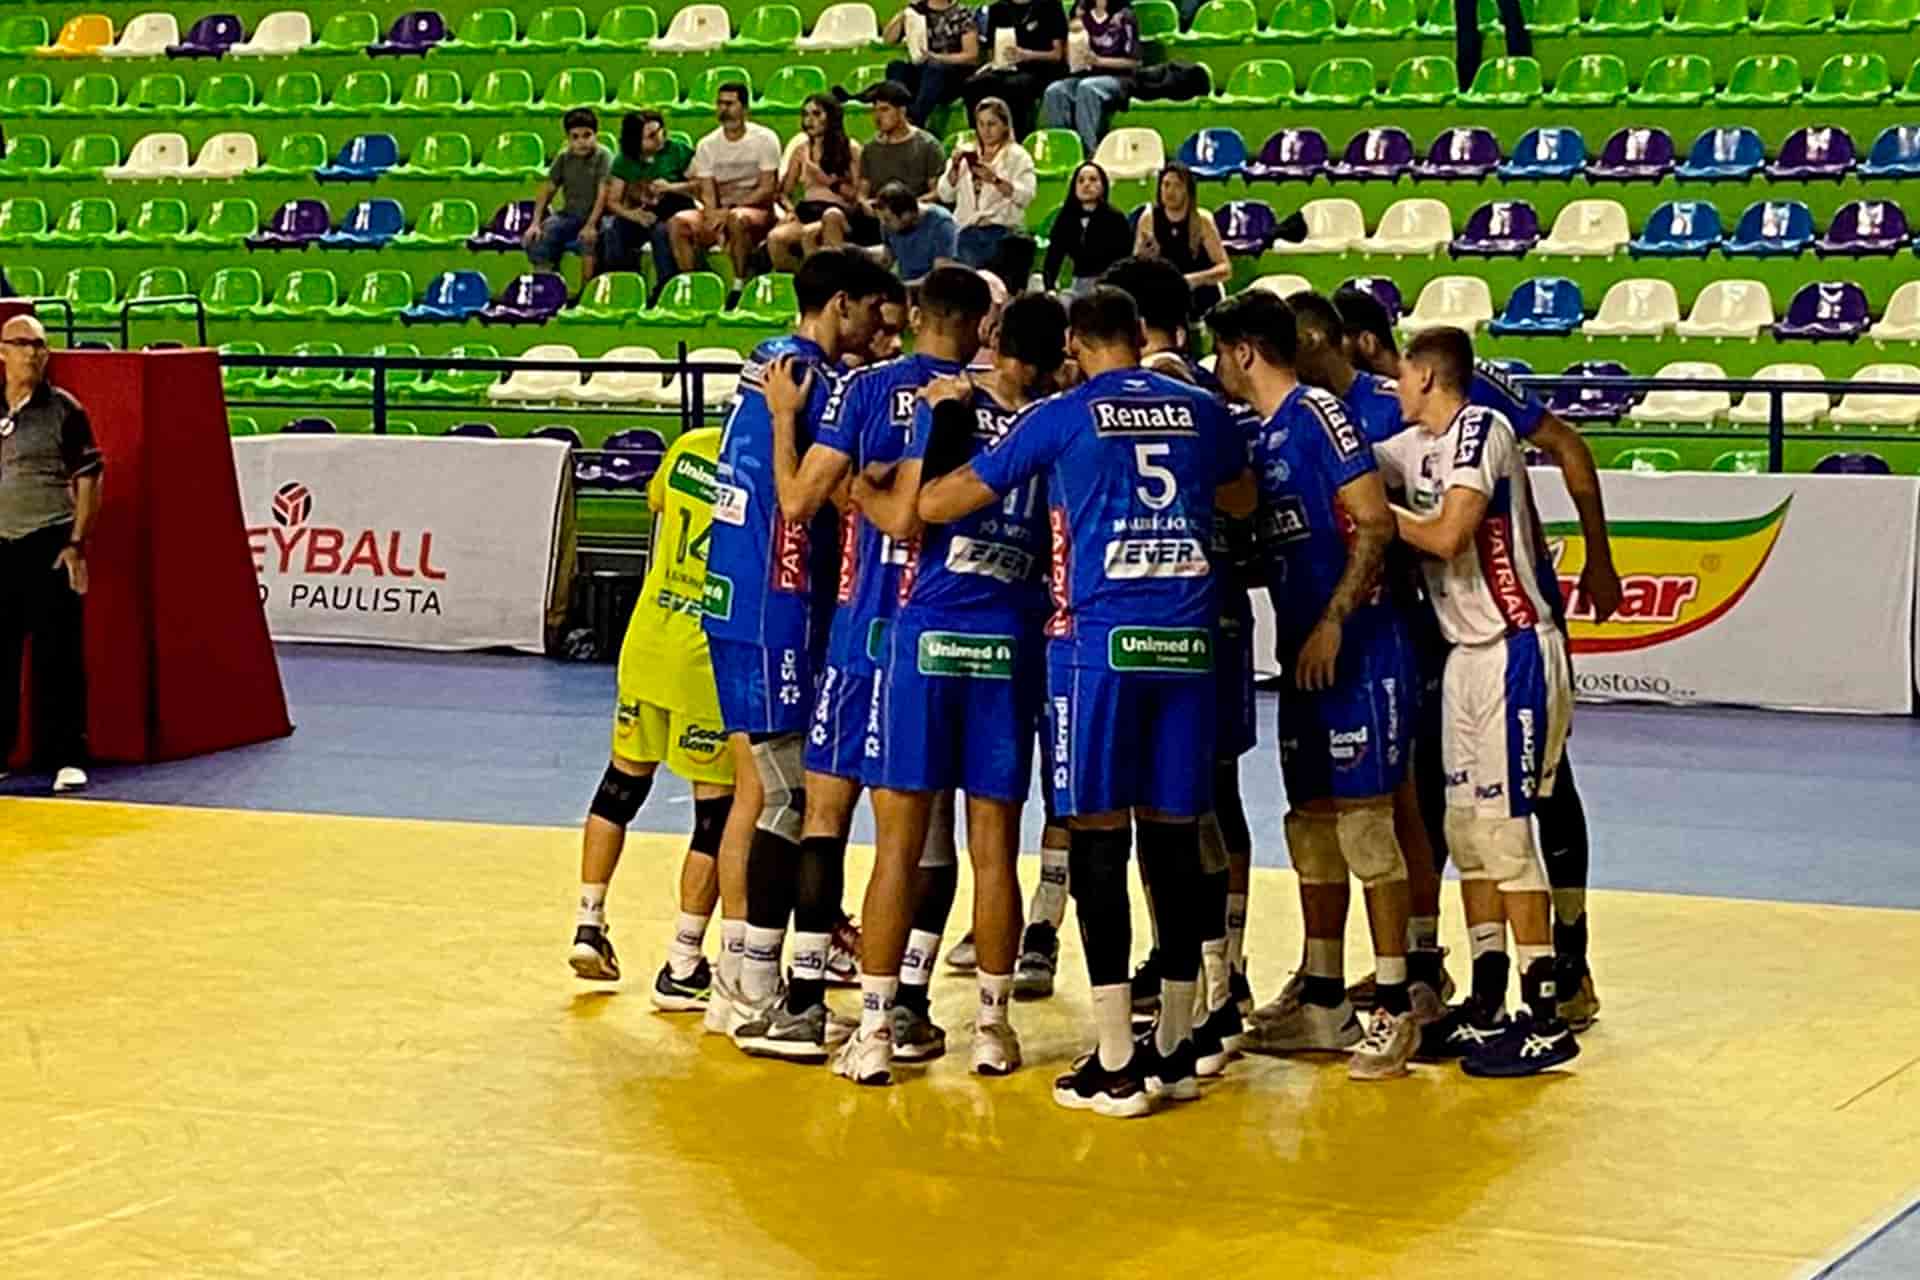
(1546, 155)
(1549, 306)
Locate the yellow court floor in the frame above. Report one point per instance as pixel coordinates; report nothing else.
(252, 1044)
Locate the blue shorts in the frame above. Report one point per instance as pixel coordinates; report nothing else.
(1237, 727)
(844, 739)
(1119, 739)
(1352, 741)
(762, 690)
(958, 704)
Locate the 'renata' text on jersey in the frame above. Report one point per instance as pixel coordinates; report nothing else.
(868, 418)
(995, 560)
(1131, 461)
(1491, 589)
(760, 565)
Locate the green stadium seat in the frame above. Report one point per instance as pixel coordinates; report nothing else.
(1056, 152)
(957, 139)
(295, 155)
(1504, 82)
(86, 156)
(771, 28)
(458, 384)
(1223, 22)
(1425, 81)
(507, 91)
(575, 87)
(1299, 21)
(232, 292)
(238, 379)
(23, 220)
(872, 73)
(1590, 80)
(29, 155)
(1158, 20)
(768, 302)
(1744, 462)
(22, 34)
(1551, 17)
(610, 299)
(92, 292)
(1677, 80)
(292, 94)
(155, 92)
(1875, 16)
(513, 157)
(1762, 80)
(243, 424)
(27, 281)
(436, 157)
(1438, 22)
(561, 29)
(653, 87)
(485, 31)
(1260, 82)
(360, 93)
(380, 297)
(346, 33)
(158, 223)
(626, 29)
(1910, 92)
(86, 224)
(703, 87)
(447, 224)
(1624, 18)
(1646, 458)
(359, 382)
(96, 94)
(691, 298)
(160, 282)
(27, 94)
(230, 93)
(791, 85)
(301, 382)
(306, 293)
(1794, 17)
(225, 225)
(1339, 82)
(1379, 20)
(1851, 80)
(431, 93)
(1708, 18)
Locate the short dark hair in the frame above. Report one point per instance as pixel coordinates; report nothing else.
(955, 293)
(581, 118)
(734, 87)
(1260, 318)
(1105, 315)
(1448, 352)
(898, 199)
(833, 271)
(894, 290)
(1312, 311)
(1361, 312)
(1162, 294)
(1033, 330)
(891, 92)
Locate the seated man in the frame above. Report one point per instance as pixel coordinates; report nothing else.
(737, 171)
(915, 237)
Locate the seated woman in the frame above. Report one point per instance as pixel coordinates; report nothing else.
(1184, 234)
(1030, 38)
(823, 165)
(1089, 232)
(647, 186)
(1086, 101)
(990, 183)
(952, 54)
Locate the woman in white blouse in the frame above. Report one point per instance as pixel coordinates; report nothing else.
(989, 184)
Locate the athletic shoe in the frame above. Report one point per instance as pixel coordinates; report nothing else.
(1361, 994)
(866, 1058)
(69, 779)
(796, 1037)
(683, 995)
(1242, 994)
(915, 1037)
(1039, 957)
(1170, 1075)
(1217, 1039)
(1428, 1004)
(1146, 985)
(1091, 1087)
(592, 957)
(1283, 1005)
(843, 955)
(721, 1006)
(1308, 1028)
(1464, 1029)
(996, 1049)
(1526, 1049)
(961, 957)
(1581, 1007)
(1390, 1041)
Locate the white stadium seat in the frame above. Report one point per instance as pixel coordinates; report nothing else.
(1901, 323)
(538, 385)
(1797, 408)
(1587, 229)
(842, 26)
(279, 35)
(1333, 226)
(1729, 309)
(1411, 228)
(1129, 155)
(1867, 409)
(718, 388)
(1636, 309)
(617, 386)
(226, 155)
(1690, 407)
(1284, 286)
(158, 155)
(1460, 302)
(698, 28)
(146, 36)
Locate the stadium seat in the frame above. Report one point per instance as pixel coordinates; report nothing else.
(28, 155)
(702, 89)
(1728, 309)
(81, 36)
(1812, 154)
(1283, 286)
(1793, 17)
(1459, 302)
(1498, 229)
(1413, 227)
(1587, 229)
(1338, 82)
(1214, 155)
(452, 297)
(1865, 228)
(716, 388)
(226, 224)
(1895, 153)
(1647, 459)
(371, 224)
(1290, 155)
(691, 298)
(561, 29)
(1549, 306)
(1057, 152)
(293, 94)
(534, 297)
(1797, 408)
(1504, 83)
(1583, 401)
(156, 224)
(1901, 321)
(359, 93)
(575, 87)
(1676, 80)
(1826, 311)
(92, 292)
(1624, 18)
(564, 434)
(619, 386)
(843, 26)
(1636, 309)
(1158, 19)
(1723, 154)
(1548, 17)
(791, 85)
(1874, 17)
(1762, 80)
(1771, 229)
(1880, 408)
(1460, 154)
(609, 299)
(436, 158)
(1299, 22)
(1263, 83)
(1333, 226)
(513, 157)
(473, 431)
(306, 293)
(359, 382)
(1683, 408)
(1679, 229)
(309, 427)
(21, 34)
(23, 220)
(484, 32)
(295, 155)
(1380, 154)
(1851, 80)
(146, 35)
(506, 91)
(235, 378)
(504, 232)
(1744, 462)
(1634, 154)
(86, 224)
(1131, 154)
(430, 93)
(1864, 463)
(411, 35)
(1590, 80)
(231, 293)
(86, 95)
(1378, 20)
(1708, 18)
(657, 88)
(697, 28)
(769, 28)
(294, 225)
(538, 386)
(1425, 81)
(225, 156)
(363, 159)
(158, 155)
(447, 224)
(767, 302)
(29, 94)
(306, 382)
(88, 156)
(157, 93)
(1222, 22)
(279, 35)
(230, 93)
(1247, 227)
(1545, 154)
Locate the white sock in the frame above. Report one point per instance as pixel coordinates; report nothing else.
(1524, 955)
(1113, 1024)
(1236, 931)
(1050, 895)
(689, 936)
(1423, 933)
(916, 966)
(760, 964)
(593, 905)
(876, 997)
(1483, 939)
(1327, 958)
(1176, 1014)
(1568, 906)
(1213, 963)
(1390, 971)
(810, 956)
(733, 946)
(996, 989)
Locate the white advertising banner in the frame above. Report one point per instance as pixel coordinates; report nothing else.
(420, 543)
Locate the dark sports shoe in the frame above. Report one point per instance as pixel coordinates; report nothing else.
(1091, 1087)
(1039, 958)
(1464, 1029)
(683, 995)
(1526, 1048)
(1241, 992)
(1146, 984)
(1361, 994)
(1171, 1075)
(1217, 1040)
(592, 956)
(1579, 1005)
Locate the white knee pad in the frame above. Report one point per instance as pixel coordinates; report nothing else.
(1367, 842)
(1498, 849)
(940, 850)
(1465, 843)
(1213, 846)
(1313, 846)
(783, 777)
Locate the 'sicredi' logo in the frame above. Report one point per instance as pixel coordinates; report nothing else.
(1676, 576)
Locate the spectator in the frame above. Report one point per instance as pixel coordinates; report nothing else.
(900, 151)
(1185, 235)
(1089, 232)
(916, 237)
(736, 171)
(823, 164)
(952, 54)
(990, 183)
(49, 494)
(578, 175)
(647, 187)
(1029, 52)
(1086, 101)
(1469, 45)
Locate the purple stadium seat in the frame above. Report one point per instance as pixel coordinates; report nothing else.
(637, 440)
(564, 434)
(533, 298)
(1826, 312)
(1585, 403)
(210, 37)
(1461, 154)
(1852, 464)
(309, 427)
(451, 298)
(412, 34)
(1379, 154)
(1814, 153)
(295, 225)
(475, 431)
(503, 234)
(1384, 291)
(1498, 229)
(1290, 155)
(1246, 226)
(1214, 155)
(1634, 154)
(1865, 228)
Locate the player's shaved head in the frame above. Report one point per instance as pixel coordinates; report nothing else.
(1448, 353)
(954, 298)
(1312, 312)
(1105, 317)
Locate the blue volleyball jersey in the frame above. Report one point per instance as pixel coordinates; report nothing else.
(762, 567)
(1131, 461)
(1374, 406)
(1494, 388)
(868, 419)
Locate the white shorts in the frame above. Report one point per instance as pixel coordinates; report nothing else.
(1506, 707)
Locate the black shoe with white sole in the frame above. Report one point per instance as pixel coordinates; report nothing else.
(592, 956)
(683, 995)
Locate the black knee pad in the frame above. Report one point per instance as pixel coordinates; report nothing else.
(709, 823)
(619, 796)
(1229, 809)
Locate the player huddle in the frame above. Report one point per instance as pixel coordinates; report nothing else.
(1038, 531)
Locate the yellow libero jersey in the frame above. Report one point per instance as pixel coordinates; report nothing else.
(664, 660)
